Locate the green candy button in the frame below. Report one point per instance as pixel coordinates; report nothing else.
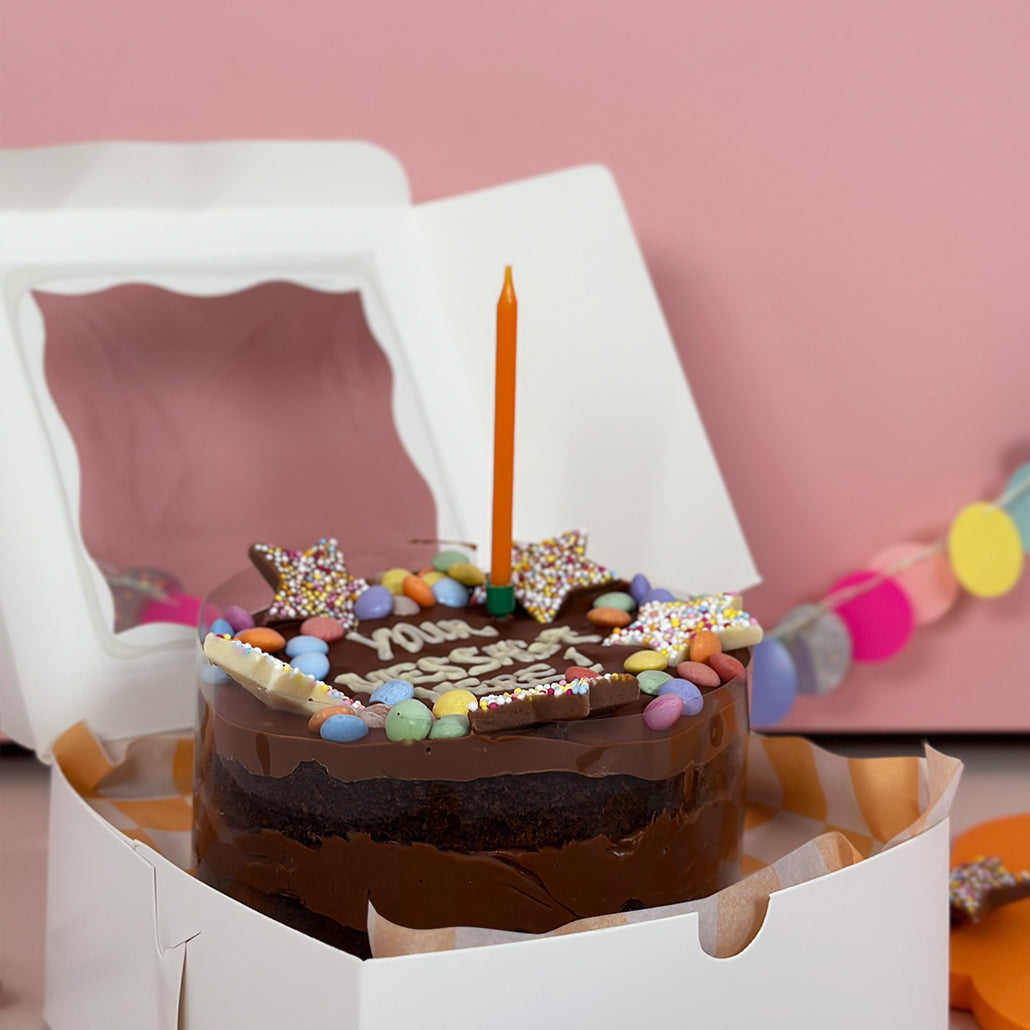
(651, 679)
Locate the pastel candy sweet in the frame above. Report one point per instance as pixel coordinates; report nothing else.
(222, 627)
(687, 692)
(445, 559)
(419, 591)
(453, 702)
(616, 599)
(577, 672)
(450, 593)
(392, 692)
(312, 663)
(726, 666)
(431, 576)
(663, 711)
(609, 617)
(651, 679)
(449, 727)
(263, 638)
(703, 644)
(409, 720)
(316, 720)
(658, 594)
(405, 605)
(466, 573)
(641, 661)
(374, 603)
(699, 674)
(324, 627)
(374, 716)
(639, 587)
(343, 729)
(239, 618)
(303, 644)
(393, 579)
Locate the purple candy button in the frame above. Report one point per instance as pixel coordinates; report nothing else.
(691, 697)
(374, 603)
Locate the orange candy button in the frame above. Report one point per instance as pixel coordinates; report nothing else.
(315, 722)
(419, 591)
(263, 638)
(703, 644)
(609, 617)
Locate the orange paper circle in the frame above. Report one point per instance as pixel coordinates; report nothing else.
(990, 959)
(985, 550)
(929, 584)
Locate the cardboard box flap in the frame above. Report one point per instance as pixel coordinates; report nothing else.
(606, 433)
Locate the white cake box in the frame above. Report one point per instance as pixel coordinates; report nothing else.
(132, 940)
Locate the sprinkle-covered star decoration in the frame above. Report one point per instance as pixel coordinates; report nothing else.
(311, 582)
(544, 573)
(667, 626)
(976, 888)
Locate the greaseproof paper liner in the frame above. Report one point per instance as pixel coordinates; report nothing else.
(807, 813)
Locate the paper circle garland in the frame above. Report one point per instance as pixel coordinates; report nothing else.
(879, 619)
(773, 682)
(985, 549)
(1019, 507)
(928, 582)
(820, 647)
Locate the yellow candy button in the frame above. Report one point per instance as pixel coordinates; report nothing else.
(465, 572)
(393, 579)
(985, 550)
(641, 661)
(430, 576)
(454, 702)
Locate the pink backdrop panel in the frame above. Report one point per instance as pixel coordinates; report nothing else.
(831, 198)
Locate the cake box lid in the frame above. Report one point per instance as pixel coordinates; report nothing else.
(212, 218)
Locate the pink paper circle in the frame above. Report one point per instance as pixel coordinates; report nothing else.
(929, 584)
(880, 619)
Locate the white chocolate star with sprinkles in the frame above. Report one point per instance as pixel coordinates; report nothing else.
(544, 573)
(311, 582)
(667, 626)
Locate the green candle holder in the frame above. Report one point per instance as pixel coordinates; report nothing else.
(500, 600)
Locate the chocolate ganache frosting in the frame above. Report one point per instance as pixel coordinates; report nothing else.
(524, 829)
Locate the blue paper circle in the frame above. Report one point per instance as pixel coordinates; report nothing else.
(819, 644)
(1019, 509)
(773, 682)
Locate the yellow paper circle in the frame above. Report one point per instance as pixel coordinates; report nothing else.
(985, 550)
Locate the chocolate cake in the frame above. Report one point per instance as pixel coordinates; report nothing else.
(538, 816)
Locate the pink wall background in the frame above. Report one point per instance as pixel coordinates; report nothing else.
(832, 200)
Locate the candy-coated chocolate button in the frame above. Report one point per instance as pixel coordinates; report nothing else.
(393, 578)
(616, 599)
(312, 663)
(324, 627)
(703, 644)
(699, 674)
(315, 722)
(445, 559)
(430, 576)
(448, 727)
(651, 679)
(658, 594)
(641, 661)
(450, 593)
(263, 638)
(239, 618)
(726, 667)
(409, 720)
(374, 716)
(221, 627)
(303, 644)
(453, 702)
(687, 692)
(663, 711)
(577, 672)
(467, 573)
(404, 605)
(343, 729)
(419, 591)
(639, 587)
(374, 603)
(609, 618)
(392, 693)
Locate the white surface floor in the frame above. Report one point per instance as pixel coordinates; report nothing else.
(996, 782)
